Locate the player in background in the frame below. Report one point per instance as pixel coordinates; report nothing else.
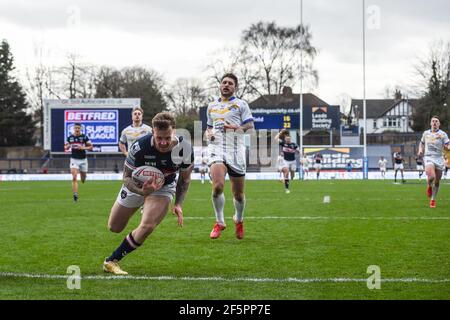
(134, 131)
(349, 166)
(305, 166)
(318, 158)
(431, 147)
(398, 165)
(228, 119)
(290, 150)
(78, 143)
(280, 162)
(419, 166)
(203, 169)
(170, 154)
(382, 164)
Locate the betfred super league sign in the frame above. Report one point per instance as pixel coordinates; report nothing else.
(101, 126)
(102, 120)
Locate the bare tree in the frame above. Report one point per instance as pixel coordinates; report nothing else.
(433, 65)
(433, 72)
(237, 61)
(186, 96)
(275, 51)
(267, 59)
(78, 78)
(132, 82)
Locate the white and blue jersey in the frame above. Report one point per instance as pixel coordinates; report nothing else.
(228, 147)
(434, 143)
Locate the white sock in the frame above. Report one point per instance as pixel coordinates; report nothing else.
(435, 192)
(239, 212)
(219, 204)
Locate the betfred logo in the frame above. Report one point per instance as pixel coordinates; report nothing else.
(91, 115)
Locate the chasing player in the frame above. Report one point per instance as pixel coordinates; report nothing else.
(228, 118)
(203, 169)
(168, 153)
(305, 166)
(290, 149)
(134, 131)
(280, 162)
(318, 158)
(398, 165)
(382, 163)
(431, 147)
(78, 143)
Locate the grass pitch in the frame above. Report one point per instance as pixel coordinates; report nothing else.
(295, 246)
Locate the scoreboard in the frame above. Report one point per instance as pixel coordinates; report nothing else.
(102, 120)
(314, 118)
(276, 121)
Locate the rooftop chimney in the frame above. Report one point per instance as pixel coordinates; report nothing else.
(398, 95)
(287, 92)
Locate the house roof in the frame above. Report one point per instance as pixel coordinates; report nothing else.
(286, 100)
(376, 108)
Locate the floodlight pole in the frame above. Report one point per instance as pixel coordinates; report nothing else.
(365, 160)
(301, 79)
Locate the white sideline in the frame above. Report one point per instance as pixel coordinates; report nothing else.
(239, 279)
(327, 218)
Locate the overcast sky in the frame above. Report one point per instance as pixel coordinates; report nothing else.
(177, 38)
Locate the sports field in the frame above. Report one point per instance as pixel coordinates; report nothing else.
(295, 247)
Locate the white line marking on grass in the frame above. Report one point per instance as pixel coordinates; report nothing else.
(327, 218)
(238, 279)
(345, 199)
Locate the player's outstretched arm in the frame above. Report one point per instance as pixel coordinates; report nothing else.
(277, 137)
(123, 149)
(184, 180)
(420, 152)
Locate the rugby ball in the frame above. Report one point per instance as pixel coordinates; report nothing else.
(144, 173)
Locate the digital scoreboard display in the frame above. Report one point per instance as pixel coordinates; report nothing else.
(102, 120)
(314, 118)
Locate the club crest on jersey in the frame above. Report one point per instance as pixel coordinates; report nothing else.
(233, 108)
(135, 148)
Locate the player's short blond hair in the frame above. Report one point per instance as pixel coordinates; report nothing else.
(164, 120)
(139, 109)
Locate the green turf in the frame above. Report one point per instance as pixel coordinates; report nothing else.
(43, 232)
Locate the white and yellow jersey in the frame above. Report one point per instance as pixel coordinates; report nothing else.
(130, 134)
(233, 111)
(434, 143)
(305, 162)
(382, 164)
(228, 147)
